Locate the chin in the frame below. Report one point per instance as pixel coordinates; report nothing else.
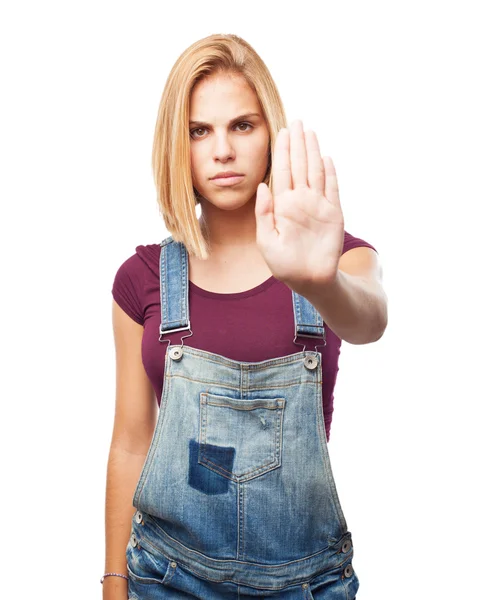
(231, 203)
(230, 199)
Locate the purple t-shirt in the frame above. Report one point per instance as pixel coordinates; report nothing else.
(254, 325)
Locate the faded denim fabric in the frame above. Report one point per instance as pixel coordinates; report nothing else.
(237, 497)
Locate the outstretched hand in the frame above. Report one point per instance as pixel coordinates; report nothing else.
(300, 228)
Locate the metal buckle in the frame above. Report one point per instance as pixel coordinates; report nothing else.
(188, 327)
(309, 336)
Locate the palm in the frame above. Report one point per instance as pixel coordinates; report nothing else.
(300, 229)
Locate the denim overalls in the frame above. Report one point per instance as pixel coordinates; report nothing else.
(236, 498)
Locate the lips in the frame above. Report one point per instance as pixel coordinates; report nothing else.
(228, 181)
(227, 174)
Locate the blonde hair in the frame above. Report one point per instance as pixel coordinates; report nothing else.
(176, 196)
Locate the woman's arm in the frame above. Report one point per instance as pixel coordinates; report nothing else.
(355, 304)
(135, 418)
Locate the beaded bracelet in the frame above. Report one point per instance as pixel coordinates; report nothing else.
(117, 574)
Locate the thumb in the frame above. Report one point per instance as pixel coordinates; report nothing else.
(264, 212)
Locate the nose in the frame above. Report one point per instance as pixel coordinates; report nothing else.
(223, 148)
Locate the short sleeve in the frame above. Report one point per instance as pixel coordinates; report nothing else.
(351, 242)
(128, 288)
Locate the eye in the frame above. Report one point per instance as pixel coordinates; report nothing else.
(192, 132)
(197, 129)
(244, 123)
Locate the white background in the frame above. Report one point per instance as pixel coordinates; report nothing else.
(391, 91)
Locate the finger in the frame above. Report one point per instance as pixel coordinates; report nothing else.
(331, 186)
(281, 168)
(299, 158)
(316, 174)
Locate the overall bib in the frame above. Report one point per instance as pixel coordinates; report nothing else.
(236, 497)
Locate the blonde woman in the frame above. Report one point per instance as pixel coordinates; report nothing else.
(232, 326)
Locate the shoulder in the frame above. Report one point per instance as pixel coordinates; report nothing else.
(138, 264)
(350, 242)
(128, 287)
(147, 257)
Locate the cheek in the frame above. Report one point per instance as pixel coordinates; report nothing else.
(195, 165)
(260, 154)
(193, 160)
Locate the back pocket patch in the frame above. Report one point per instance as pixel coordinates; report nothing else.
(203, 479)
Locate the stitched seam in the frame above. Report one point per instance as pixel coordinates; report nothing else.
(251, 389)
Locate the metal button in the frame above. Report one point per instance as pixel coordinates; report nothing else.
(348, 571)
(346, 547)
(305, 586)
(133, 540)
(176, 352)
(173, 565)
(138, 517)
(311, 362)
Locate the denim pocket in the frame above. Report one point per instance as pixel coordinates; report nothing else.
(340, 583)
(147, 568)
(240, 439)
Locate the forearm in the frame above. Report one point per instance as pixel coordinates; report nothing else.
(123, 472)
(352, 307)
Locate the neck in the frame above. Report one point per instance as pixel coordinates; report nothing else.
(229, 229)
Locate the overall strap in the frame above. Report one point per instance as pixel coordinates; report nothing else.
(307, 320)
(175, 313)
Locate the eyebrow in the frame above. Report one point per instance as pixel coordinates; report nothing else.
(239, 118)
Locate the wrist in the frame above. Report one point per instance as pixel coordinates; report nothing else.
(114, 577)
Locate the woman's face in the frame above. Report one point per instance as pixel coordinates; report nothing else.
(220, 142)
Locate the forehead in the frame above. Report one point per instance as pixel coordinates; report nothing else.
(221, 96)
